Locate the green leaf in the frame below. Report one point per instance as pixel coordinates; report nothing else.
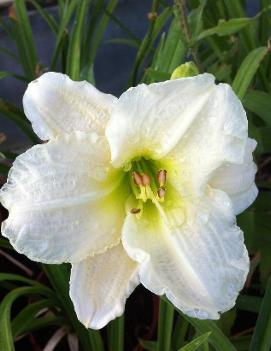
(25, 318)
(262, 135)
(157, 75)
(5, 74)
(261, 339)
(173, 51)
(196, 343)
(87, 73)
(44, 322)
(195, 19)
(249, 303)
(226, 27)
(74, 51)
(49, 19)
(115, 331)
(259, 102)
(59, 278)
(217, 339)
(66, 14)
(226, 321)
(11, 112)
(222, 72)
(247, 71)
(124, 28)
(9, 53)
(20, 278)
(147, 43)
(6, 338)
(165, 324)
(148, 345)
(248, 40)
(180, 332)
(4, 243)
(100, 29)
(25, 40)
(242, 343)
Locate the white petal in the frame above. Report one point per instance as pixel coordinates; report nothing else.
(200, 265)
(150, 119)
(99, 286)
(238, 180)
(218, 136)
(55, 105)
(61, 206)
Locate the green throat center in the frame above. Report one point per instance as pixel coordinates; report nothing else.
(147, 182)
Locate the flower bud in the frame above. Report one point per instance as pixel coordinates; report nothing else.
(188, 69)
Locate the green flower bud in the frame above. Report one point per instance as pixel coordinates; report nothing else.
(188, 69)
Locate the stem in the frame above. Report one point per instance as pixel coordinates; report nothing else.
(116, 334)
(142, 50)
(165, 324)
(181, 9)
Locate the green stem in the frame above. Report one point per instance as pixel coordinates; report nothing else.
(116, 334)
(165, 324)
(181, 7)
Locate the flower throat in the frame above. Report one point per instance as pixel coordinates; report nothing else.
(146, 184)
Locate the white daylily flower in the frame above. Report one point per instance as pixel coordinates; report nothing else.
(144, 188)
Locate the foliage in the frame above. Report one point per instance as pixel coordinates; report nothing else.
(222, 40)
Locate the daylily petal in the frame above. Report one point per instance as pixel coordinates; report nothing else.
(149, 120)
(238, 180)
(100, 285)
(217, 137)
(61, 198)
(55, 104)
(200, 265)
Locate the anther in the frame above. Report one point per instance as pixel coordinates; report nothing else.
(137, 179)
(162, 177)
(161, 193)
(135, 210)
(146, 180)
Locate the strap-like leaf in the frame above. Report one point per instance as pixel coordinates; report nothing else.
(247, 71)
(261, 340)
(196, 343)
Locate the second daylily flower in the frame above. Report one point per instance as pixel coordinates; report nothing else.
(144, 188)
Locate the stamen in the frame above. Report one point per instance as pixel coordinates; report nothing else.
(137, 179)
(161, 193)
(162, 177)
(146, 180)
(135, 210)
